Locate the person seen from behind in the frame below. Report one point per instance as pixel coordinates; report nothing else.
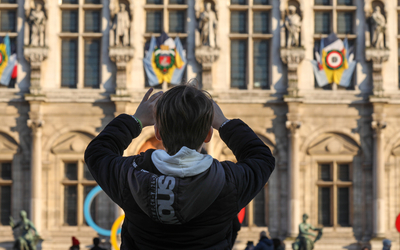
(264, 243)
(96, 243)
(178, 198)
(250, 245)
(387, 244)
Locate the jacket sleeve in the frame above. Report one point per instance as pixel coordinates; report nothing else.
(103, 156)
(255, 162)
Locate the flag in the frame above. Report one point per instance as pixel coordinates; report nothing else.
(8, 62)
(334, 62)
(165, 60)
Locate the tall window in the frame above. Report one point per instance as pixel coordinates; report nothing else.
(81, 43)
(334, 16)
(257, 210)
(77, 184)
(250, 33)
(168, 16)
(8, 25)
(334, 194)
(5, 193)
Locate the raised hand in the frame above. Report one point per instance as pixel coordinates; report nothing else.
(219, 117)
(145, 111)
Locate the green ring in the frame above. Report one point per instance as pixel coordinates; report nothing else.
(326, 63)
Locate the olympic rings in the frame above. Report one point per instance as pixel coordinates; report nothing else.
(88, 217)
(114, 233)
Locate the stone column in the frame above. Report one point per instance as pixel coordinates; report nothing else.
(36, 172)
(377, 57)
(121, 56)
(35, 55)
(378, 175)
(293, 124)
(292, 58)
(206, 56)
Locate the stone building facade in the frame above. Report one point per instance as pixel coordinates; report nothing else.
(337, 149)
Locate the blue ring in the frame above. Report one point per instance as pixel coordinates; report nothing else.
(88, 217)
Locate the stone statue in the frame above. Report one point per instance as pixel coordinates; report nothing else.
(208, 24)
(293, 26)
(28, 236)
(378, 28)
(121, 26)
(303, 241)
(37, 21)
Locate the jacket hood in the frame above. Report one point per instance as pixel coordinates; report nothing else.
(187, 162)
(171, 199)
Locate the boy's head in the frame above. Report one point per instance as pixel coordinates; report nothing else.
(184, 115)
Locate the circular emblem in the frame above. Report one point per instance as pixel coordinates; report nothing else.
(334, 59)
(164, 60)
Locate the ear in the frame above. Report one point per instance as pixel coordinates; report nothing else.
(157, 132)
(209, 135)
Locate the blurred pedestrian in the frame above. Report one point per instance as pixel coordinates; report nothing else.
(365, 248)
(278, 245)
(250, 245)
(75, 244)
(96, 242)
(264, 243)
(387, 244)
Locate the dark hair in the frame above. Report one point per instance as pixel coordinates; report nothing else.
(184, 115)
(96, 241)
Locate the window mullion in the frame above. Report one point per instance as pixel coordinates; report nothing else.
(165, 18)
(80, 55)
(335, 193)
(334, 16)
(250, 46)
(250, 213)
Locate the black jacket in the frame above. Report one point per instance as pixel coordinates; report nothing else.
(165, 212)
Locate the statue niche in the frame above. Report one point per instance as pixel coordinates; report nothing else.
(375, 36)
(207, 50)
(292, 25)
(121, 23)
(36, 19)
(207, 27)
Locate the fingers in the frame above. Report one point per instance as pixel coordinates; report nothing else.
(148, 93)
(155, 96)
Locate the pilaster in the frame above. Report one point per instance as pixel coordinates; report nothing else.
(293, 125)
(35, 122)
(378, 125)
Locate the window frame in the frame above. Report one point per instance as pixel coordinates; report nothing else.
(165, 7)
(80, 183)
(5, 182)
(334, 184)
(333, 8)
(249, 220)
(251, 37)
(81, 36)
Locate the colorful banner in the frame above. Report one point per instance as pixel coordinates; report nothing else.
(334, 62)
(165, 60)
(8, 62)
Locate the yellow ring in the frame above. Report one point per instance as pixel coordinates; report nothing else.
(114, 229)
